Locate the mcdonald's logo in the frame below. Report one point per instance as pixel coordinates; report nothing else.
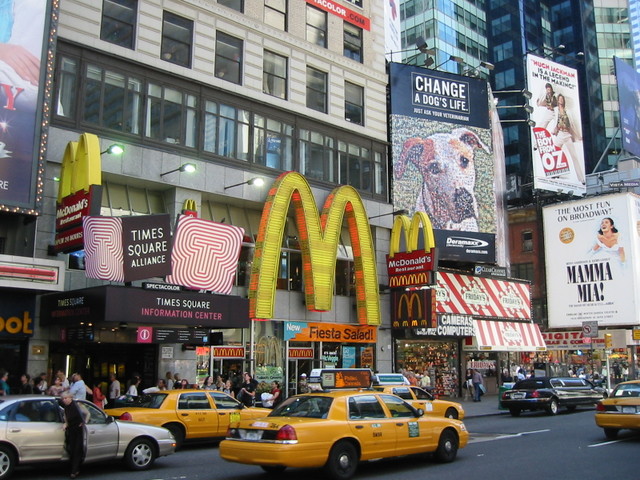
(410, 279)
(413, 309)
(319, 237)
(190, 208)
(409, 231)
(79, 191)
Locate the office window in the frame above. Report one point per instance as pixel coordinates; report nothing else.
(317, 156)
(111, 99)
(316, 26)
(171, 115)
(226, 130)
(177, 39)
(355, 166)
(237, 5)
(118, 24)
(352, 42)
(523, 271)
(353, 103)
(228, 63)
(273, 143)
(527, 241)
(274, 75)
(275, 14)
(316, 90)
(67, 87)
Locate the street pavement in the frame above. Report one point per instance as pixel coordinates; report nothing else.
(487, 406)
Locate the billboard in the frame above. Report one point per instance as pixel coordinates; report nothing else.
(629, 100)
(592, 269)
(557, 150)
(22, 43)
(441, 148)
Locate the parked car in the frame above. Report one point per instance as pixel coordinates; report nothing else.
(189, 414)
(621, 410)
(31, 433)
(551, 393)
(420, 398)
(336, 428)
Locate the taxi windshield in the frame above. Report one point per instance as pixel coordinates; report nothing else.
(153, 400)
(307, 406)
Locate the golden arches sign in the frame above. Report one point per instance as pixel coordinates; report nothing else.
(81, 166)
(422, 278)
(410, 231)
(319, 240)
(416, 309)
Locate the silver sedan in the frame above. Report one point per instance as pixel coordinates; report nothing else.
(31, 432)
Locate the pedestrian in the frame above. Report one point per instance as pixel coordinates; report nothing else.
(303, 386)
(75, 418)
(169, 380)
(207, 383)
(478, 385)
(99, 399)
(228, 389)
(160, 386)
(247, 394)
(4, 386)
(114, 389)
(26, 387)
(65, 380)
(41, 385)
(132, 390)
(78, 388)
(56, 389)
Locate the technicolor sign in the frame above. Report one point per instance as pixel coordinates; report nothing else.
(319, 240)
(557, 151)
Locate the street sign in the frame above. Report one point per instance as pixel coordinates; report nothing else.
(636, 333)
(590, 329)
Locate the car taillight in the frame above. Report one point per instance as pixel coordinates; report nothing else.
(126, 416)
(232, 433)
(535, 394)
(600, 407)
(286, 433)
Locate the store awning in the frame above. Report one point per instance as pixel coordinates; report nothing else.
(499, 336)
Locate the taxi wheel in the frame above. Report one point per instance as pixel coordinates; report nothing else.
(610, 433)
(447, 447)
(273, 468)
(7, 462)
(178, 433)
(343, 461)
(553, 408)
(451, 413)
(140, 454)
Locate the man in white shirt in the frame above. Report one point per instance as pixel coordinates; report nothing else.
(78, 388)
(114, 389)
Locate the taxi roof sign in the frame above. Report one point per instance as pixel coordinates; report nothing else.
(340, 378)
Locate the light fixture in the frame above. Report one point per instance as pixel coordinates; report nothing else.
(404, 211)
(114, 149)
(452, 58)
(185, 167)
(475, 71)
(257, 181)
(429, 61)
(421, 44)
(528, 121)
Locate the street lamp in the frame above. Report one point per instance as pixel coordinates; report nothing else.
(186, 167)
(257, 181)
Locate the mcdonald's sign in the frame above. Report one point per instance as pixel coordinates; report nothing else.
(79, 191)
(190, 208)
(319, 237)
(416, 264)
(413, 309)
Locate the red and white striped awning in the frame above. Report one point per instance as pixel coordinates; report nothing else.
(505, 337)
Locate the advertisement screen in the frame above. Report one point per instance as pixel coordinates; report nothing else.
(629, 100)
(558, 153)
(442, 148)
(592, 248)
(22, 34)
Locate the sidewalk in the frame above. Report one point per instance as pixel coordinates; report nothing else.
(488, 406)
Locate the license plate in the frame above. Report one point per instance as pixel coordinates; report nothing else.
(518, 395)
(628, 409)
(253, 435)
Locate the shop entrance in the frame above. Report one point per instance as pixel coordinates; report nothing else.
(296, 369)
(96, 361)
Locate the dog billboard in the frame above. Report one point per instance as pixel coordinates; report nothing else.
(441, 148)
(594, 245)
(557, 151)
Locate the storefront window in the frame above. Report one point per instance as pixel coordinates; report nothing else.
(438, 359)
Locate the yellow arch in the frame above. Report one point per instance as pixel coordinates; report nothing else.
(319, 240)
(410, 229)
(81, 166)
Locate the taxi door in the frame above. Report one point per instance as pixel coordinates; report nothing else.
(375, 430)
(423, 399)
(414, 434)
(228, 410)
(198, 415)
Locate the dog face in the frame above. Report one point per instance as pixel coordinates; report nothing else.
(446, 163)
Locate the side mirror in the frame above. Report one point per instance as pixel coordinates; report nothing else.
(110, 419)
(420, 412)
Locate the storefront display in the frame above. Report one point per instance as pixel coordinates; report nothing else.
(438, 359)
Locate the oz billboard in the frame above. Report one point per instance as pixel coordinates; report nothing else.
(557, 151)
(441, 148)
(592, 269)
(629, 99)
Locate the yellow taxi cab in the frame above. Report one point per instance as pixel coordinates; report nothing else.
(420, 398)
(621, 410)
(339, 423)
(188, 414)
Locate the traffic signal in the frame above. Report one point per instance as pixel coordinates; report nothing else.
(608, 343)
